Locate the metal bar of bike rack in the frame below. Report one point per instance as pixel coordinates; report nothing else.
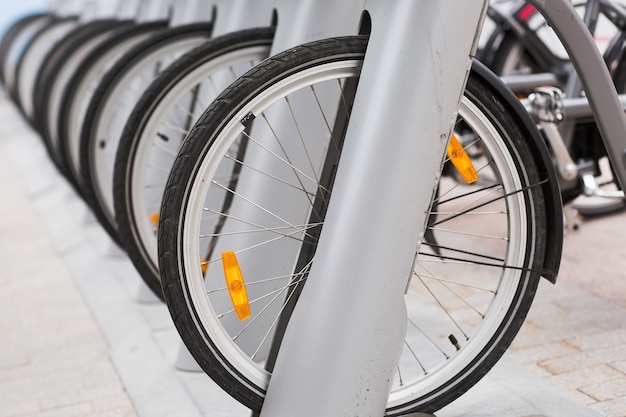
(340, 359)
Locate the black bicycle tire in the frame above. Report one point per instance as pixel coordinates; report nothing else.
(13, 32)
(197, 144)
(54, 62)
(41, 35)
(109, 80)
(135, 124)
(14, 50)
(80, 73)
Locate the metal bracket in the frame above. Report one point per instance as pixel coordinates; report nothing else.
(546, 105)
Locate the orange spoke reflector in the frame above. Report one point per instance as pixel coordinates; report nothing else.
(154, 218)
(204, 265)
(236, 285)
(461, 160)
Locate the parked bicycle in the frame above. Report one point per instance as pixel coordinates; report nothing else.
(527, 53)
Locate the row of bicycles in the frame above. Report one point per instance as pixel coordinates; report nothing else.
(210, 156)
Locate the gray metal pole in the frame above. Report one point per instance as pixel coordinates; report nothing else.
(342, 344)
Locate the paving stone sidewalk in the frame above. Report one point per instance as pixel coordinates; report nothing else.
(54, 360)
(575, 335)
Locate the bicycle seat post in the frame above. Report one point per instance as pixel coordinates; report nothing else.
(341, 347)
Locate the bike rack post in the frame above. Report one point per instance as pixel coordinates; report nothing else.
(188, 11)
(340, 359)
(127, 9)
(306, 21)
(102, 9)
(234, 15)
(153, 10)
(67, 8)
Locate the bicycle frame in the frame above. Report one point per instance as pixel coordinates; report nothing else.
(520, 22)
(561, 73)
(327, 361)
(594, 77)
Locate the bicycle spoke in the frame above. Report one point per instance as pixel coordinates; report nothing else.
(302, 142)
(260, 229)
(282, 309)
(430, 339)
(294, 168)
(177, 129)
(443, 308)
(465, 252)
(471, 203)
(416, 358)
(244, 165)
(504, 196)
(160, 168)
(465, 233)
(463, 284)
(263, 209)
(462, 261)
(460, 196)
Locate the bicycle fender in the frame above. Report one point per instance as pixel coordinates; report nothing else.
(550, 187)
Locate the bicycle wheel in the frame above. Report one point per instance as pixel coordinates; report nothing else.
(14, 51)
(13, 34)
(32, 60)
(251, 183)
(58, 68)
(155, 129)
(112, 103)
(85, 80)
